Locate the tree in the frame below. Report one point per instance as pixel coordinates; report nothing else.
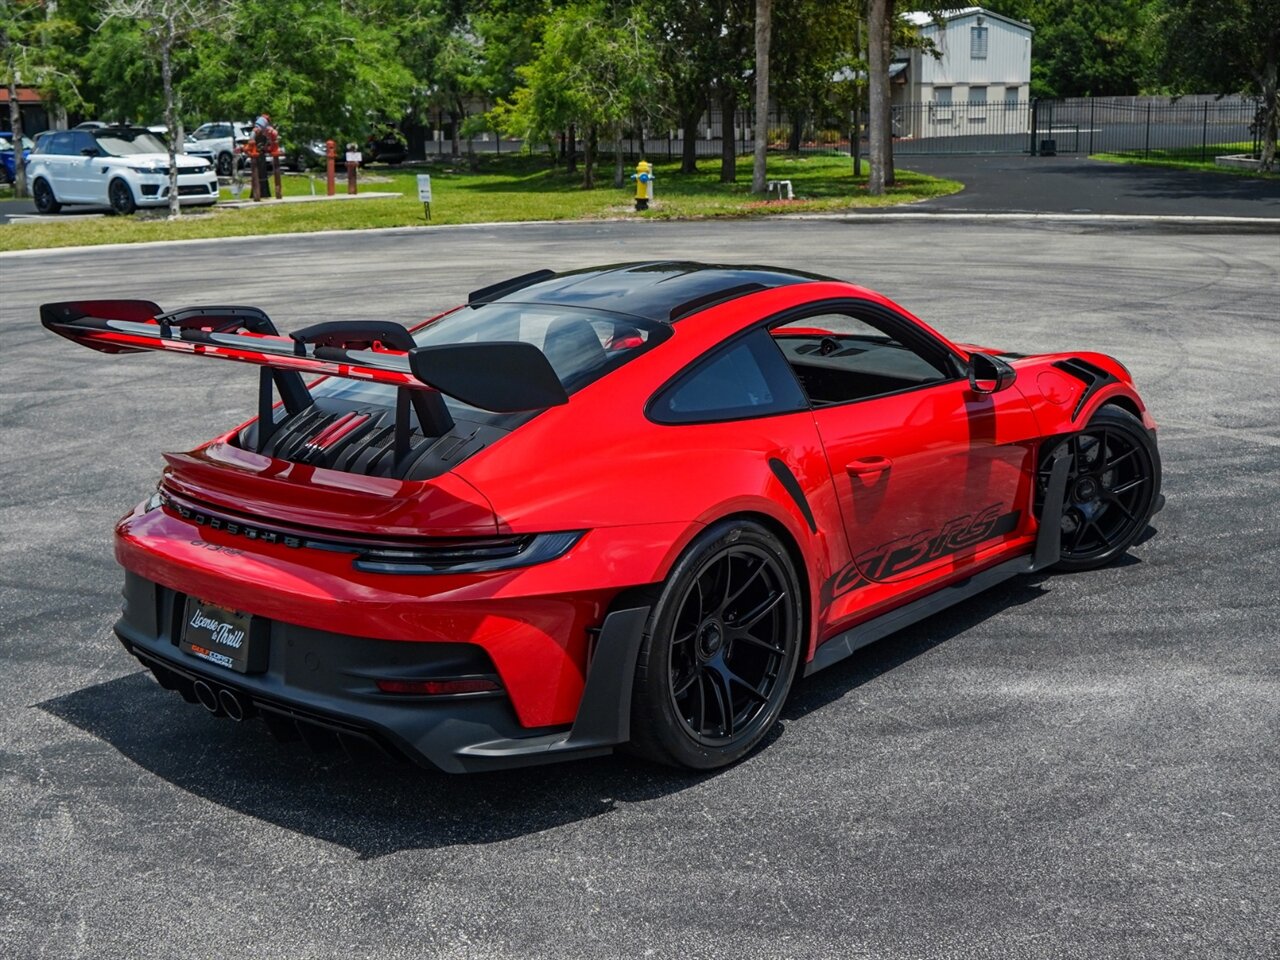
(764, 25)
(320, 68)
(34, 52)
(689, 45)
(1221, 46)
(880, 16)
(592, 68)
(166, 24)
(1085, 48)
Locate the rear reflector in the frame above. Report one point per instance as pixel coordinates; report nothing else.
(439, 688)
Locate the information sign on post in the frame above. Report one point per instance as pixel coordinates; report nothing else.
(424, 193)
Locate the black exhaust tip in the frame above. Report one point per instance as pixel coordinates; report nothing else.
(232, 705)
(208, 697)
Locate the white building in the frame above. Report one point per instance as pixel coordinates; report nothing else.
(980, 85)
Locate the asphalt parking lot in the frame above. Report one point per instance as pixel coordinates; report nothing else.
(1076, 766)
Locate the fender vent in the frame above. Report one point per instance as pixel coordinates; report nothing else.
(1093, 378)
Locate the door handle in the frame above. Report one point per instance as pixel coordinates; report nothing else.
(868, 465)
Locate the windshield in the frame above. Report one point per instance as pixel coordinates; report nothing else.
(126, 143)
(581, 345)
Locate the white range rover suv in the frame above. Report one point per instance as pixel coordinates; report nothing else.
(126, 167)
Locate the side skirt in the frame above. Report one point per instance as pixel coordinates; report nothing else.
(1046, 554)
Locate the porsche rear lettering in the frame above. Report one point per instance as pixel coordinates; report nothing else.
(231, 527)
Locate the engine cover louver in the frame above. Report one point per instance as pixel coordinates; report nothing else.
(363, 441)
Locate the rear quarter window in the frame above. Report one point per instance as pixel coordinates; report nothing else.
(745, 379)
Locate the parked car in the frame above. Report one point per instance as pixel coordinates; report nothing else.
(8, 157)
(389, 146)
(218, 143)
(124, 166)
(628, 504)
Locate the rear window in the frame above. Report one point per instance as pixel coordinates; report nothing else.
(581, 345)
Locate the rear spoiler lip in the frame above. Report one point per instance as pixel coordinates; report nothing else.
(391, 367)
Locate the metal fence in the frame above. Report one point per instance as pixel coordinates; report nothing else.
(1194, 127)
(1189, 127)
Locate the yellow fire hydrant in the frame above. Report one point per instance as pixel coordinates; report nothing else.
(644, 184)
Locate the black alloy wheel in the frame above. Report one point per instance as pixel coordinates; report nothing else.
(1113, 482)
(43, 196)
(121, 198)
(224, 164)
(721, 649)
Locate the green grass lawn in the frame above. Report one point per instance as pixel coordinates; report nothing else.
(1186, 158)
(498, 189)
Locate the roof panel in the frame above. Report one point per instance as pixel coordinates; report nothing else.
(650, 290)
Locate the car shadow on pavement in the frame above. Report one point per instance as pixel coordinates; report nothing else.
(368, 805)
(376, 808)
(864, 665)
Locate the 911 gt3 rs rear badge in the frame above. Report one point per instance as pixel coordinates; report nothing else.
(898, 556)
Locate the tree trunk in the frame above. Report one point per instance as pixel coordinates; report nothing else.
(878, 25)
(764, 25)
(617, 156)
(1270, 107)
(589, 159)
(170, 118)
(689, 146)
(15, 125)
(455, 148)
(887, 117)
(728, 146)
(793, 138)
(571, 166)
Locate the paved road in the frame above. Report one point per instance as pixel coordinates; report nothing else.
(1071, 767)
(1015, 184)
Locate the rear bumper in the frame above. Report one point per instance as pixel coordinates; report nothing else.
(319, 688)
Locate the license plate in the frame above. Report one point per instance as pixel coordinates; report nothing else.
(224, 637)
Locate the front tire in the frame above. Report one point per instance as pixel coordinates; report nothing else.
(121, 198)
(42, 194)
(1113, 486)
(720, 649)
(224, 164)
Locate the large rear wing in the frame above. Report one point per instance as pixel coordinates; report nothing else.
(503, 377)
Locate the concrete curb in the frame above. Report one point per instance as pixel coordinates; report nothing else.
(1256, 224)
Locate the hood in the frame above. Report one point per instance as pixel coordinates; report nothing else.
(161, 160)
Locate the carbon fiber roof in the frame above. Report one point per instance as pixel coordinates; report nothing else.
(650, 290)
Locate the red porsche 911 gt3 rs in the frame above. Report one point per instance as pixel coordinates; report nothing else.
(614, 506)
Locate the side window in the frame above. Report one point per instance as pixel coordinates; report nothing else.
(81, 141)
(59, 143)
(746, 379)
(839, 357)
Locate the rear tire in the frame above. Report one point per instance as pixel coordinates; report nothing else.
(121, 197)
(1113, 486)
(43, 196)
(720, 649)
(224, 164)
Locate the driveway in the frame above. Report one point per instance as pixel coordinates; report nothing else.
(1070, 767)
(1023, 184)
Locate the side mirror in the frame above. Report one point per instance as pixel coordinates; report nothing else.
(988, 374)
